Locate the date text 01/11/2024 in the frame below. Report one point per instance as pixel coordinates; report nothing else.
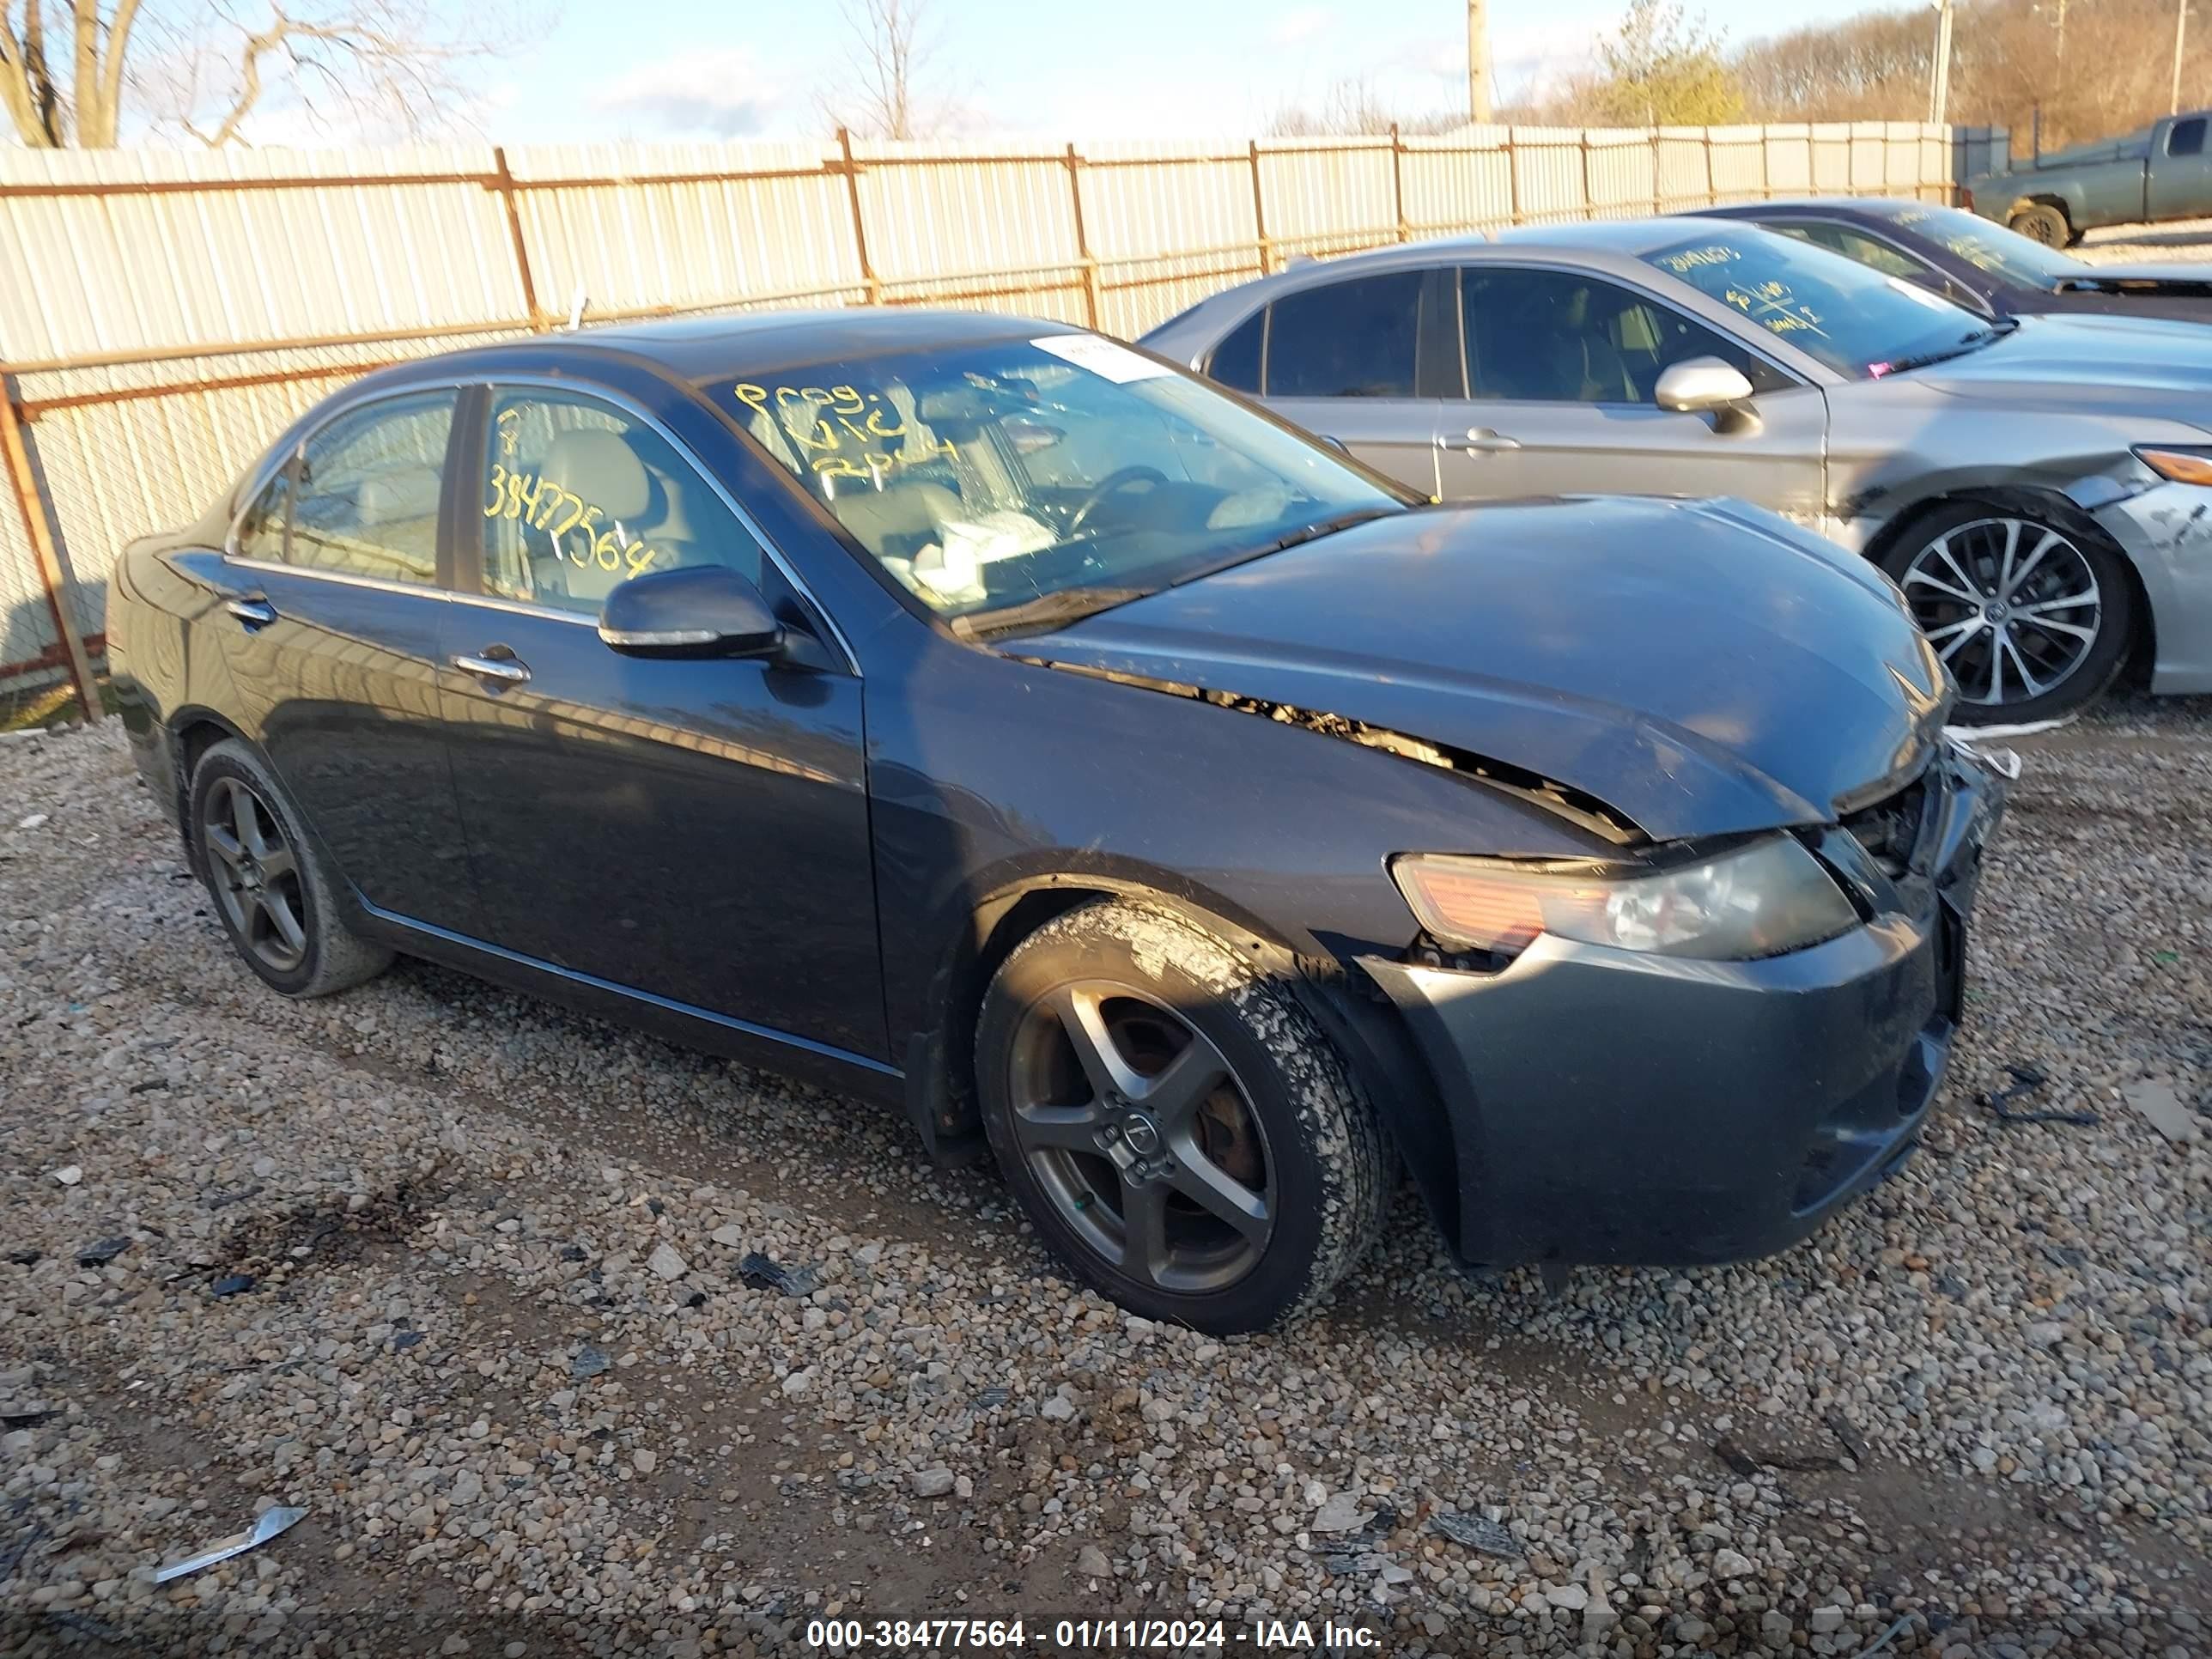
(1085, 1635)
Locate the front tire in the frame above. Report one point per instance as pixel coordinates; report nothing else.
(2033, 614)
(272, 893)
(1179, 1130)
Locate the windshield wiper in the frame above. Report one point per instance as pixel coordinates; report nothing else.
(1047, 610)
(1298, 538)
(1966, 342)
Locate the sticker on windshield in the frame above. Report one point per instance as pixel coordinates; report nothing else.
(1101, 357)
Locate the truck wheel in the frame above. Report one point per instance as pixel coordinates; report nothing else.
(276, 901)
(2039, 222)
(1178, 1129)
(2031, 616)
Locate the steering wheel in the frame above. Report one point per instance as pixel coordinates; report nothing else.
(1121, 478)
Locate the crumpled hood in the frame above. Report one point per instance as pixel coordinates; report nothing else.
(1702, 667)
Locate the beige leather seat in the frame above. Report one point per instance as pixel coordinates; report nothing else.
(899, 521)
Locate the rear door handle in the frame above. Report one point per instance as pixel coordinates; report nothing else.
(503, 671)
(1482, 439)
(253, 611)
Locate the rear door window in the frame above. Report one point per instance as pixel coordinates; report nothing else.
(366, 489)
(1853, 243)
(1236, 360)
(579, 497)
(2186, 138)
(1352, 339)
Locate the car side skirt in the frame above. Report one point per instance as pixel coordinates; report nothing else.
(678, 1021)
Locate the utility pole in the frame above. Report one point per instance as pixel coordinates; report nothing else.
(2180, 35)
(1478, 61)
(1939, 69)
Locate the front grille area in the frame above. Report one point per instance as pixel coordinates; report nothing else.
(1889, 830)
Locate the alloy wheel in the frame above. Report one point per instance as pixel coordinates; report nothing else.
(2012, 607)
(1141, 1137)
(257, 874)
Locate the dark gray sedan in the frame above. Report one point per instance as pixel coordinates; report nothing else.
(2041, 488)
(1982, 266)
(979, 715)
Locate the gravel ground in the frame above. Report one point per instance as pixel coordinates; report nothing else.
(2188, 240)
(461, 1274)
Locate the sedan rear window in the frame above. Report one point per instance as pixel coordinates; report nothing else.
(982, 478)
(1856, 321)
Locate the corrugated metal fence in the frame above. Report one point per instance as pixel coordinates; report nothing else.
(163, 314)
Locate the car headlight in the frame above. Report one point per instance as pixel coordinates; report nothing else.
(2178, 463)
(1760, 899)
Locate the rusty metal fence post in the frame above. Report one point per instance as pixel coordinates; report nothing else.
(852, 172)
(503, 181)
(1260, 213)
(53, 575)
(1398, 183)
(1082, 239)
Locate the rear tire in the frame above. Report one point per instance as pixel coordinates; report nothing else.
(1179, 1130)
(2040, 221)
(273, 894)
(2031, 612)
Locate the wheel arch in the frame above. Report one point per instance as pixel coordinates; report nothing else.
(2053, 503)
(2065, 206)
(1367, 1028)
(193, 731)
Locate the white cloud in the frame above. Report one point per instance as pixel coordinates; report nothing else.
(723, 94)
(1296, 27)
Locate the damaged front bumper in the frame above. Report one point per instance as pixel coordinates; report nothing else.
(1615, 1107)
(2166, 533)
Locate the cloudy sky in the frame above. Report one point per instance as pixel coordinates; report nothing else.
(710, 68)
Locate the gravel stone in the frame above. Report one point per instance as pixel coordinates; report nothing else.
(1975, 1400)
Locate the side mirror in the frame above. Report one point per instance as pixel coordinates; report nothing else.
(701, 611)
(1698, 383)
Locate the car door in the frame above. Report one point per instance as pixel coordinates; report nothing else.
(1562, 367)
(331, 631)
(696, 830)
(1352, 362)
(2180, 182)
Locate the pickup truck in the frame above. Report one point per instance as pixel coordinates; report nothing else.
(2161, 172)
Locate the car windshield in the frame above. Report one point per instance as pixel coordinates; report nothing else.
(1033, 473)
(2005, 254)
(1856, 321)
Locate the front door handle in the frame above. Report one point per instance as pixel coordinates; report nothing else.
(501, 670)
(253, 611)
(1480, 439)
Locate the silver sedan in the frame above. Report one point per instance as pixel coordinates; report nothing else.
(2041, 488)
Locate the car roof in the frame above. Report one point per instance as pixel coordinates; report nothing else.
(746, 345)
(1843, 207)
(1630, 237)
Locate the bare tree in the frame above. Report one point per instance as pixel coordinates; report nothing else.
(895, 50)
(2093, 68)
(206, 68)
(1352, 107)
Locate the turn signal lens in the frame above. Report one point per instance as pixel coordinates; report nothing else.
(2189, 466)
(1759, 900)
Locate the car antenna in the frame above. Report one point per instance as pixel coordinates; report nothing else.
(575, 312)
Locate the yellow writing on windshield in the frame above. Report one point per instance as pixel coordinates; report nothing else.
(1773, 305)
(1696, 258)
(841, 431)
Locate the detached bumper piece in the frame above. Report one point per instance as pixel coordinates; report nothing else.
(1613, 1107)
